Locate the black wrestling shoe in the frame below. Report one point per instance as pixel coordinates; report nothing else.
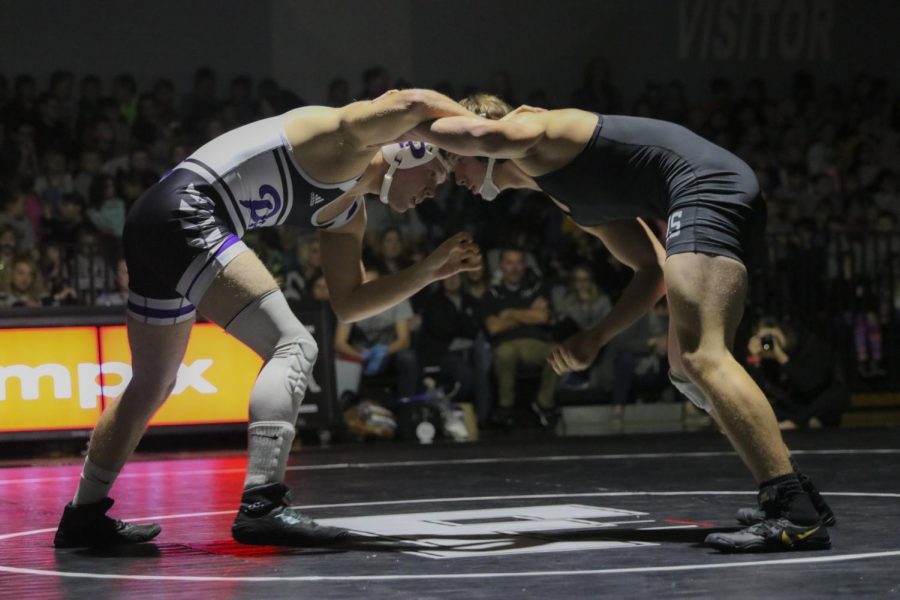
(751, 516)
(772, 535)
(266, 519)
(87, 525)
(549, 417)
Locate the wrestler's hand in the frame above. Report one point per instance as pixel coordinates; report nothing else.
(575, 354)
(459, 253)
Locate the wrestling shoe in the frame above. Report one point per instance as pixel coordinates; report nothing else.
(87, 525)
(267, 519)
(772, 535)
(750, 516)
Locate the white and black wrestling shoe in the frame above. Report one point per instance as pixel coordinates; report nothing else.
(267, 519)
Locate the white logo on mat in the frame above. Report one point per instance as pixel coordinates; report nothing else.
(498, 531)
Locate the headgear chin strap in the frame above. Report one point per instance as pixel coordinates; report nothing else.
(488, 190)
(406, 155)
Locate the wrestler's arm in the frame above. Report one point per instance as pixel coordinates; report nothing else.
(353, 298)
(393, 114)
(477, 136)
(633, 244)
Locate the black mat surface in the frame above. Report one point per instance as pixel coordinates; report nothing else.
(514, 518)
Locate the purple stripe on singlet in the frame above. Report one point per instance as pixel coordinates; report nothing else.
(159, 313)
(230, 241)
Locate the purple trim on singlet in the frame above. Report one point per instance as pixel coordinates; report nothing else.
(159, 313)
(231, 240)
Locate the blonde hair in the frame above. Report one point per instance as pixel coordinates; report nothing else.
(487, 106)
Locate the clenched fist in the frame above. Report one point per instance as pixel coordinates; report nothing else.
(459, 253)
(575, 354)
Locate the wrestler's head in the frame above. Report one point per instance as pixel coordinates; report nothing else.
(476, 173)
(414, 170)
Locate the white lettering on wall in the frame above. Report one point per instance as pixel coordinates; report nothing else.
(755, 29)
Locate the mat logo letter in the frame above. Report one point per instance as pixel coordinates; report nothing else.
(89, 389)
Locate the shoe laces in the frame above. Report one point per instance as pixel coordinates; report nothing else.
(293, 517)
(765, 528)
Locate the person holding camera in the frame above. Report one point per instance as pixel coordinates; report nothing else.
(799, 374)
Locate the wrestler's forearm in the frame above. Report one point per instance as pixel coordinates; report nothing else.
(646, 288)
(374, 297)
(475, 136)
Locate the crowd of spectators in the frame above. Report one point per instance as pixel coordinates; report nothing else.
(76, 153)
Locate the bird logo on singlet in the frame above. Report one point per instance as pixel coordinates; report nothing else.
(265, 208)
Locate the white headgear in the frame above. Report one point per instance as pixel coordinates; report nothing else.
(488, 190)
(406, 155)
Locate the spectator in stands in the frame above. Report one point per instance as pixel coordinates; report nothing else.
(578, 307)
(56, 273)
(886, 191)
(54, 182)
(88, 167)
(382, 342)
(12, 214)
(240, 98)
(51, 130)
(107, 210)
(148, 125)
(798, 373)
(639, 360)
(23, 286)
(307, 263)
(477, 283)
(391, 252)
(21, 156)
(318, 288)
(119, 296)
(517, 316)
(72, 217)
(88, 107)
(102, 138)
(92, 273)
(61, 86)
(164, 96)
(200, 104)
(9, 249)
(450, 328)
(124, 94)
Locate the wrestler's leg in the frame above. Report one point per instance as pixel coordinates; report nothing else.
(246, 301)
(706, 299)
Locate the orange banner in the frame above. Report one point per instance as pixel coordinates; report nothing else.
(61, 378)
(41, 374)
